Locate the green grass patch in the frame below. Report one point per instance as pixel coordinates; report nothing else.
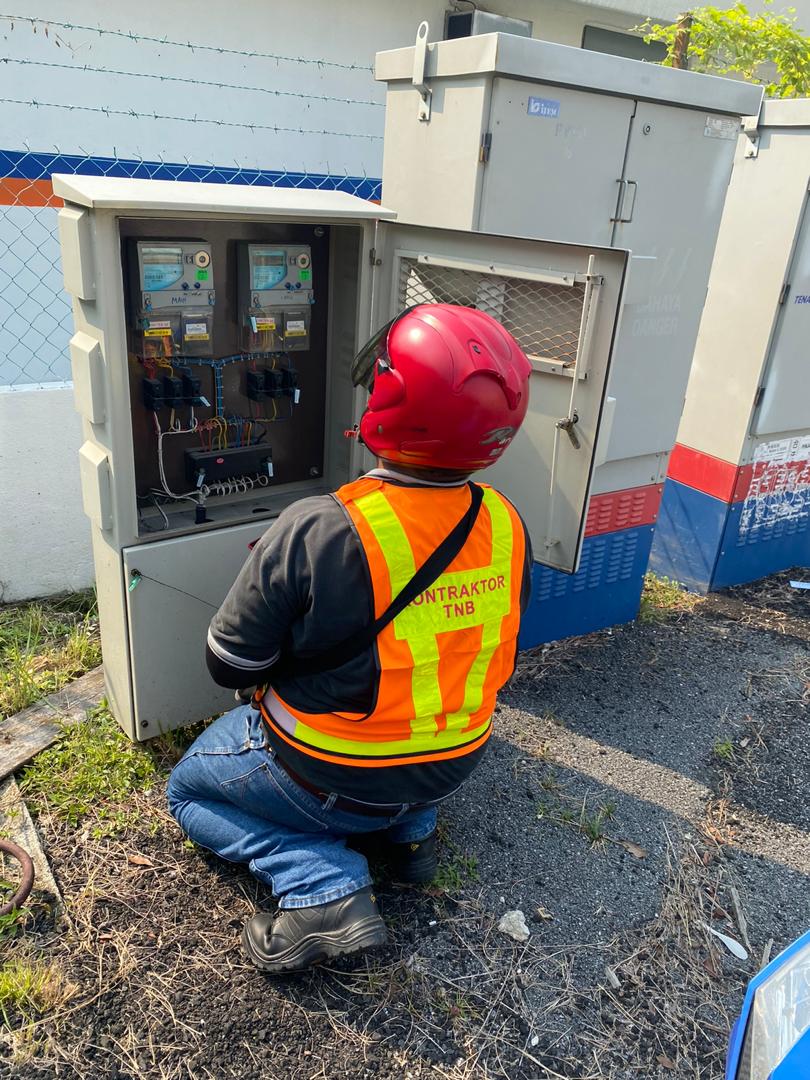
(44, 645)
(455, 872)
(590, 822)
(29, 988)
(724, 749)
(662, 597)
(91, 772)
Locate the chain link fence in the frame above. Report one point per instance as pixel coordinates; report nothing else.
(35, 313)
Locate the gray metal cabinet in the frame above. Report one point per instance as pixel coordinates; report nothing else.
(159, 589)
(674, 184)
(510, 135)
(531, 126)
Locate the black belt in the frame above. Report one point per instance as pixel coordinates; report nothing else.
(351, 806)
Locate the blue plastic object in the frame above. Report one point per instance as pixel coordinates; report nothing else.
(796, 1066)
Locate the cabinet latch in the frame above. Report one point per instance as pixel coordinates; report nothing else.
(567, 424)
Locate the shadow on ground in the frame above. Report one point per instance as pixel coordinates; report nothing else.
(643, 784)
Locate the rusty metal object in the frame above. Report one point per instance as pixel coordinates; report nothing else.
(27, 883)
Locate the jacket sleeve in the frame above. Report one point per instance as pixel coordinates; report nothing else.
(247, 634)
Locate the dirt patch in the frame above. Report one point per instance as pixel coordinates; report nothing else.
(643, 784)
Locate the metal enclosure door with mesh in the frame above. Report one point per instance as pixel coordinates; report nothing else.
(562, 304)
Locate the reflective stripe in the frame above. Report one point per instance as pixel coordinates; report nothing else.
(502, 540)
(398, 555)
(421, 632)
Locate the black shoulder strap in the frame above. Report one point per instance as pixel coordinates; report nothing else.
(434, 566)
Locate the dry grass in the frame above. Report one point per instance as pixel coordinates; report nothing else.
(662, 598)
(44, 645)
(670, 986)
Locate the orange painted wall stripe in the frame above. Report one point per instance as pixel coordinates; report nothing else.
(20, 192)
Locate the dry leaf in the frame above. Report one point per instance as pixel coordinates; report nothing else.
(733, 946)
(543, 914)
(139, 860)
(710, 965)
(667, 1063)
(635, 850)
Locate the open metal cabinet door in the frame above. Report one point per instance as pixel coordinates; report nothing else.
(562, 304)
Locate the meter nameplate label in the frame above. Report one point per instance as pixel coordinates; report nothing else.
(265, 324)
(158, 328)
(197, 331)
(721, 127)
(295, 328)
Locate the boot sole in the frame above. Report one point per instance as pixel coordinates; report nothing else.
(313, 949)
(416, 875)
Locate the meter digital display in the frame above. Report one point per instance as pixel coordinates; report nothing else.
(162, 267)
(269, 268)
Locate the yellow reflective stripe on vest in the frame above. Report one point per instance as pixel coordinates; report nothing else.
(495, 607)
(398, 555)
(435, 741)
(429, 615)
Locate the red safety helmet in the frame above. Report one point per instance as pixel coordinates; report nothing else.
(448, 388)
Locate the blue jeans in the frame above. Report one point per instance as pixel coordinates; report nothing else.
(230, 795)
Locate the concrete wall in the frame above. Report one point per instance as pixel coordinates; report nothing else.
(44, 535)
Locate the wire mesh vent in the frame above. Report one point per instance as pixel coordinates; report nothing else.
(544, 318)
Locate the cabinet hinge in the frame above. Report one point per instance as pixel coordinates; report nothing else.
(485, 148)
(758, 396)
(783, 295)
(372, 257)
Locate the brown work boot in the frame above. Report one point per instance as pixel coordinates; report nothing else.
(293, 939)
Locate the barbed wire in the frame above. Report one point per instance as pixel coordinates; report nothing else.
(277, 128)
(194, 46)
(182, 79)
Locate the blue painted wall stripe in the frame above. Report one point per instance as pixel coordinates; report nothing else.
(31, 165)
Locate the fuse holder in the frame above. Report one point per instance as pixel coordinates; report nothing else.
(273, 382)
(172, 391)
(255, 385)
(152, 394)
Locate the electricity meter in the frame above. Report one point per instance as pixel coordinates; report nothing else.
(275, 296)
(172, 297)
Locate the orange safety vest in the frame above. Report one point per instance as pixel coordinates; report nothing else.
(445, 656)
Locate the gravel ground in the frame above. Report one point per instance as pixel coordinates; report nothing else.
(643, 782)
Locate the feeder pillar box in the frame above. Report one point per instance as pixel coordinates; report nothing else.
(215, 328)
(736, 503)
(504, 134)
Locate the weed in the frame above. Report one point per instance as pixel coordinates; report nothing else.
(29, 988)
(590, 823)
(724, 749)
(662, 597)
(454, 872)
(43, 645)
(11, 923)
(548, 782)
(92, 770)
